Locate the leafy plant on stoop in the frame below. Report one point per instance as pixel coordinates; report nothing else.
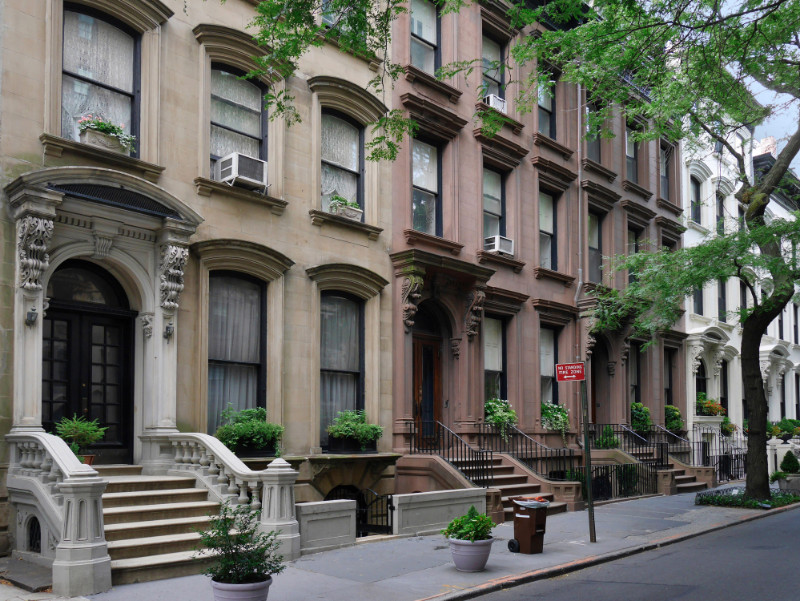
(79, 433)
(248, 431)
(352, 424)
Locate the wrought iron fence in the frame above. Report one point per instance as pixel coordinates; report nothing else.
(620, 436)
(433, 437)
(726, 454)
(618, 481)
(541, 459)
(374, 512)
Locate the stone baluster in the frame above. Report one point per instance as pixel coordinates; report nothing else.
(243, 499)
(232, 488)
(204, 460)
(47, 466)
(195, 455)
(255, 497)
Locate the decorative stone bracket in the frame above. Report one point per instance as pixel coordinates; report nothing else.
(173, 262)
(410, 293)
(474, 314)
(33, 238)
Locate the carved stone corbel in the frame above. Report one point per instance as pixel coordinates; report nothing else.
(33, 238)
(695, 353)
(410, 293)
(173, 262)
(590, 342)
(612, 368)
(147, 324)
(474, 314)
(455, 347)
(719, 356)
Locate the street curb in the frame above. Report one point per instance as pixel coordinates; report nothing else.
(513, 580)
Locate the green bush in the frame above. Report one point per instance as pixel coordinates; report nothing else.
(734, 497)
(240, 553)
(248, 430)
(672, 418)
(789, 426)
(790, 465)
(726, 427)
(707, 406)
(777, 475)
(607, 439)
(353, 424)
(556, 418)
(79, 432)
(472, 526)
(640, 418)
(500, 413)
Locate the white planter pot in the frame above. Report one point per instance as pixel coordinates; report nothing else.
(790, 483)
(95, 138)
(349, 212)
(469, 556)
(252, 591)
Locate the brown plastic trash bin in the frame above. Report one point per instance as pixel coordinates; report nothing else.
(529, 527)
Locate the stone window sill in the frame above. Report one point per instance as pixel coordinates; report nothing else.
(320, 218)
(209, 187)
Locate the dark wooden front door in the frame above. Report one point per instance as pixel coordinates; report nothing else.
(87, 370)
(427, 383)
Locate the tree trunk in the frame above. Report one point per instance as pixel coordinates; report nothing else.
(757, 486)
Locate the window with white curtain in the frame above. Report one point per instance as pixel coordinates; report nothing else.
(99, 73)
(494, 356)
(341, 357)
(341, 159)
(595, 248)
(547, 232)
(631, 155)
(236, 344)
(424, 36)
(548, 356)
(492, 58)
(238, 122)
(425, 210)
(546, 101)
(493, 217)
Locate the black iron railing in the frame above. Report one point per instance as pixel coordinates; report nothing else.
(375, 516)
(434, 438)
(541, 459)
(619, 481)
(620, 436)
(726, 454)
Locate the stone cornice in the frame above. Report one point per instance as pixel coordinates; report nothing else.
(638, 213)
(548, 142)
(320, 218)
(416, 75)
(433, 118)
(630, 186)
(515, 125)
(553, 174)
(416, 259)
(349, 278)
(544, 273)
(500, 151)
(208, 187)
(591, 165)
(599, 196)
(498, 259)
(414, 237)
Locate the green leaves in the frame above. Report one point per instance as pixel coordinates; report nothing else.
(353, 424)
(472, 526)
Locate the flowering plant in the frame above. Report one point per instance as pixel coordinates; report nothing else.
(555, 417)
(706, 406)
(100, 124)
(500, 413)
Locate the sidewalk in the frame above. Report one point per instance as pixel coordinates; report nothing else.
(411, 569)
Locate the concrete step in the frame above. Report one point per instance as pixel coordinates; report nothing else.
(147, 483)
(682, 479)
(153, 497)
(691, 487)
(128, 530)
(118, 470)
(153, 545)
(163, 511)
(520, 490)
(156, 567)
(509, 479)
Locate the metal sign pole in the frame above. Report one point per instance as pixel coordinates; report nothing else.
(587, 453)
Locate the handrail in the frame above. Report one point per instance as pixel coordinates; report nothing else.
(227, 478)
(664, 432)
(539, 458)
(623, 437)
(474, 464)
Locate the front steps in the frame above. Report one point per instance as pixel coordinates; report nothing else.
(686, 483)
(151, 524)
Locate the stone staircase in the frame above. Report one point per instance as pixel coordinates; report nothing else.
(515, 481)
(151, 524)
(686, 482)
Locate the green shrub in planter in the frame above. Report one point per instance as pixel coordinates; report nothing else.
(79, 432)
(353, 424)
(672, 418)
(472, 526)
(500, 413)
(607, 439)
(640, 418)
(248, 430)
(556, 417)
(790, 464)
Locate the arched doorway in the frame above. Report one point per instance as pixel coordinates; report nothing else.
(87, 355)
(427, 370)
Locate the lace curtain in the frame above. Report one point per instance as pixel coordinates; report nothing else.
(340, 159)
(547, 367)
(102, 53)
(340, 359)
(235, 105)
(234, 345)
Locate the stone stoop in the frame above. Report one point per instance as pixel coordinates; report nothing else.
(514, 481)
(686, 483)
(151, 524)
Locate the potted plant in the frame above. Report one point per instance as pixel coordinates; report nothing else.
(705, 406)
(339, 205)
(672, 419)
(470, 538)
(80, 433)
(98, 131)
(555, 417)
(788, 476)
(640, 418)
(248, 433)
(607, 440)
(243, 558)
(499, 413)
(350, 433)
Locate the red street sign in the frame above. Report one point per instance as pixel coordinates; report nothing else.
(569, 372)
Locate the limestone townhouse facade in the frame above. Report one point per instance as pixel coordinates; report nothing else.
(150, 290)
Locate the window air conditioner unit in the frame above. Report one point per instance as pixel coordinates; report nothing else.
(499, 244)
(241, 170)
(497, 103)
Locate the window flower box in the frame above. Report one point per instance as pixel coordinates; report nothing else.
(104, 141)
(346, 211)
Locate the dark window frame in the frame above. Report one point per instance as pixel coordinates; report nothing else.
(697, 301)
(437, 48)
(554, 235)
(637, 234)
(596, 254)
(636, 386)
(720, 214)
(669, 376)
(594, 144)
(551, 113)
(554, 385)
(439, 146)
(500, 70)
(701, 379)
(695, 193)
(502, 215)
(264, 119)
(504, 357)
(361, 160)
(723, 385)
(136, 95)
(722, 300)
(665, 170)
(631, 161)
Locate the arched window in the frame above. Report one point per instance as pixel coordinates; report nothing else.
(100, 74)
(236, 343)
(695, 199)
(341, 357)
(701, 379)
(238, 121)
(342, 159)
